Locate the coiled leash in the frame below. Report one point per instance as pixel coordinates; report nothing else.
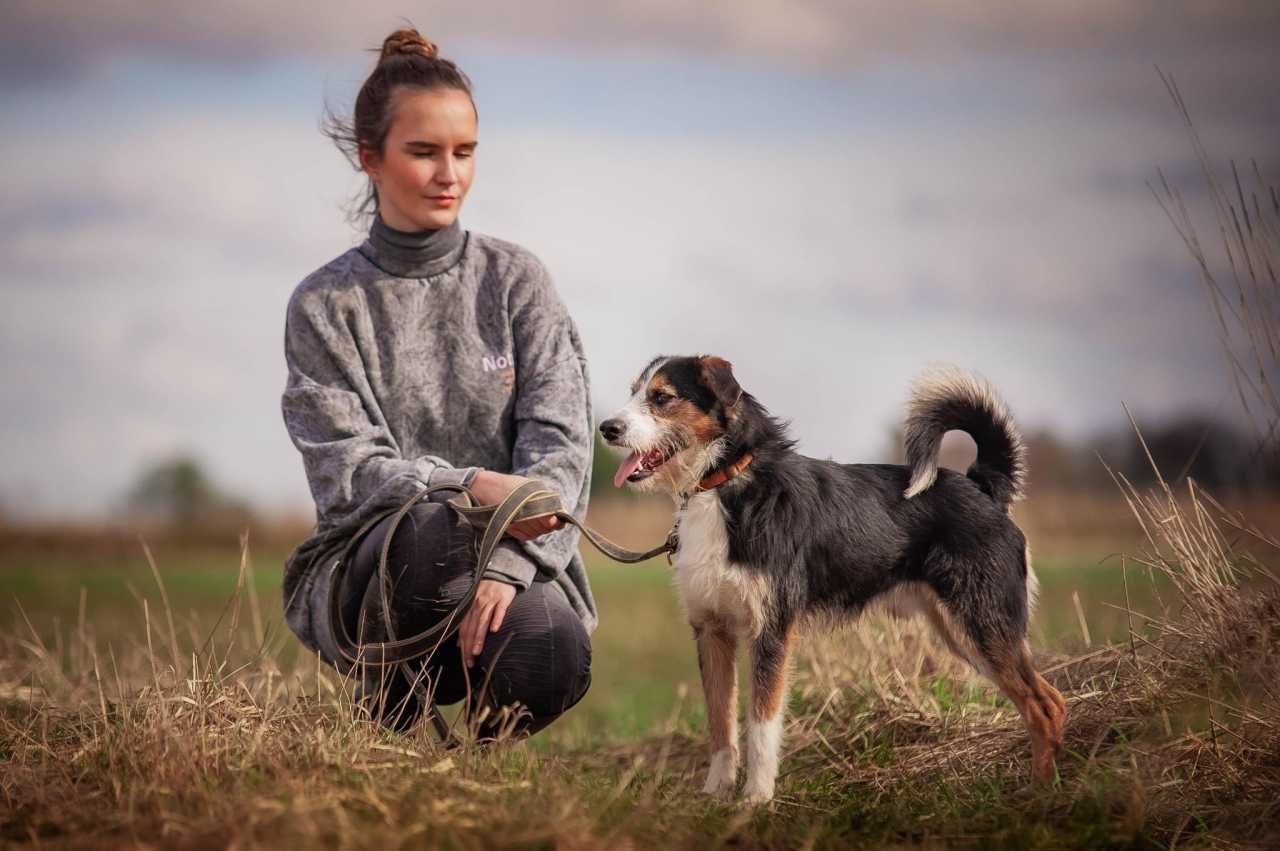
(530, 501)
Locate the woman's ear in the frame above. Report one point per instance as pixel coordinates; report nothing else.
(368, 162)
(716, 375)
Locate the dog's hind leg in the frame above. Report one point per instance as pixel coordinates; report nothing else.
(717, 651)
(1008, 664)
(1042, 707)
(769, 665)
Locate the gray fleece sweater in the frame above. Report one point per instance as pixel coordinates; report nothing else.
(417, 359)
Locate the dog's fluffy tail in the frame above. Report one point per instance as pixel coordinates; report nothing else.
(946, 398)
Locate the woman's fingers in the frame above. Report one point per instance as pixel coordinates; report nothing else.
(488, 610)
(475, 641)
(464, 632)
(527, 530)
(499, 613)
(473, 630)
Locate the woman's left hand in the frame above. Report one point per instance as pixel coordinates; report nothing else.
(485, 615)
(490, 488)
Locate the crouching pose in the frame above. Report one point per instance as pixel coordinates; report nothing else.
(768, 536)
(433, 355)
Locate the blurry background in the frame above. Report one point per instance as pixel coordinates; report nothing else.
(832, 195)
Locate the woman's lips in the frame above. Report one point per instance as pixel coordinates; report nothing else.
(443, 200)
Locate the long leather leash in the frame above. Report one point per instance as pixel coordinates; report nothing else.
(529, 501)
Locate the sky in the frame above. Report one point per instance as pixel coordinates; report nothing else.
(831, 195)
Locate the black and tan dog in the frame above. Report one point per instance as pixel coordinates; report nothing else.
(769, 538)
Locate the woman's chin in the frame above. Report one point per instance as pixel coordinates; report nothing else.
(437, 218)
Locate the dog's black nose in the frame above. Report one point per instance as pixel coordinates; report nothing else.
(612, 430)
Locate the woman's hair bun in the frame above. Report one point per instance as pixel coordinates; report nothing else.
(407, 42)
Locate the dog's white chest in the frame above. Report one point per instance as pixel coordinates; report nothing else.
(709, 586)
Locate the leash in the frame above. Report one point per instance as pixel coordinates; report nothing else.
(530, 501)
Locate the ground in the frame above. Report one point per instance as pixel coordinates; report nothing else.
(189, 717)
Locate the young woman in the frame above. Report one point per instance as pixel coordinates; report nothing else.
(429, 355)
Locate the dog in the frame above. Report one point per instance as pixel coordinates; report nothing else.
(769, 539)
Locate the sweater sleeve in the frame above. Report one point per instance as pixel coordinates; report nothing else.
(553, 422)
(334, 419)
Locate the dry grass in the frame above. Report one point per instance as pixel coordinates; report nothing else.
(203, 741)
(1243, 281)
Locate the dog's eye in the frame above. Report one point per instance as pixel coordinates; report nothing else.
(660, 397)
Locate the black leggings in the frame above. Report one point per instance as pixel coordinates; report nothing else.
(538, 663)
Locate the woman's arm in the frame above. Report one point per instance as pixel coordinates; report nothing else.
(553, 420)
(334, 419)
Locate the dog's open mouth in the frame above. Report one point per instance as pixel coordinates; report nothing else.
(639, 465)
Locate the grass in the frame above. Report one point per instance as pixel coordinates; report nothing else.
(114, 732)
(643, 651)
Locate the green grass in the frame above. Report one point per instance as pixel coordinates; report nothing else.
(643, 655)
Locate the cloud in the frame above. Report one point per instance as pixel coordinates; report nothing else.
(51, 39)
(143, 290)
(152, 323)
(831, 235)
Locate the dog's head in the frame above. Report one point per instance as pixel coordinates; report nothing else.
(680, 422)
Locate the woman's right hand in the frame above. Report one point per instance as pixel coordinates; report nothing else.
(491, 488)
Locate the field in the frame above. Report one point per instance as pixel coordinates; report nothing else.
(168, 705)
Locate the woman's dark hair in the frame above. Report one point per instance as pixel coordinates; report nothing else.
(405, 59)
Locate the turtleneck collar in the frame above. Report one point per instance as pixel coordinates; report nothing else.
(420, 254)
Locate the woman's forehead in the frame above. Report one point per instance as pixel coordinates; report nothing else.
(432, 115)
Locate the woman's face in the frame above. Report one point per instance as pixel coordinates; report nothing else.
(428, 159)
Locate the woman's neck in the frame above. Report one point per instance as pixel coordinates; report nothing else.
(417, 254)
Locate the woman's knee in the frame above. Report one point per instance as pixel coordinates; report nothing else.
(572, 675)
(547, 665)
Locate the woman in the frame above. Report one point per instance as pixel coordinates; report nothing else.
(433, 355)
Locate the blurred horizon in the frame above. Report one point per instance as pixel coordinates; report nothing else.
(832, 196)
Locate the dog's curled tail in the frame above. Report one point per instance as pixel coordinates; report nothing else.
(947, 398)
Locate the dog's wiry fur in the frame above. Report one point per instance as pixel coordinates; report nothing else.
(947, 398)
(794, 539)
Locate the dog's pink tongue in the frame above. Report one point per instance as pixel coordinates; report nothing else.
(626, 468)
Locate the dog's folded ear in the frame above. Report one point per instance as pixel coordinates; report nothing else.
(716, 375)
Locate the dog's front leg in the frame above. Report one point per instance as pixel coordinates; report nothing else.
(769, 667)
(717, 648)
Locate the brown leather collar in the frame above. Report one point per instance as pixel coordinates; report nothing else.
(724, 474)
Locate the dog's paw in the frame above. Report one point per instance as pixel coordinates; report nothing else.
(758, 791)
(757, 797)
(723, 774)
(718, 787)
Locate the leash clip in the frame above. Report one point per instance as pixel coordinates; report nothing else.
(673, 542)
(673, 537)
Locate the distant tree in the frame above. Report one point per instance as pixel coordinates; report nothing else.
(1055, 464)
(1210, 451)
(179, 492)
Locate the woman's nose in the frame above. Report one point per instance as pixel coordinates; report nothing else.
(447, 173)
